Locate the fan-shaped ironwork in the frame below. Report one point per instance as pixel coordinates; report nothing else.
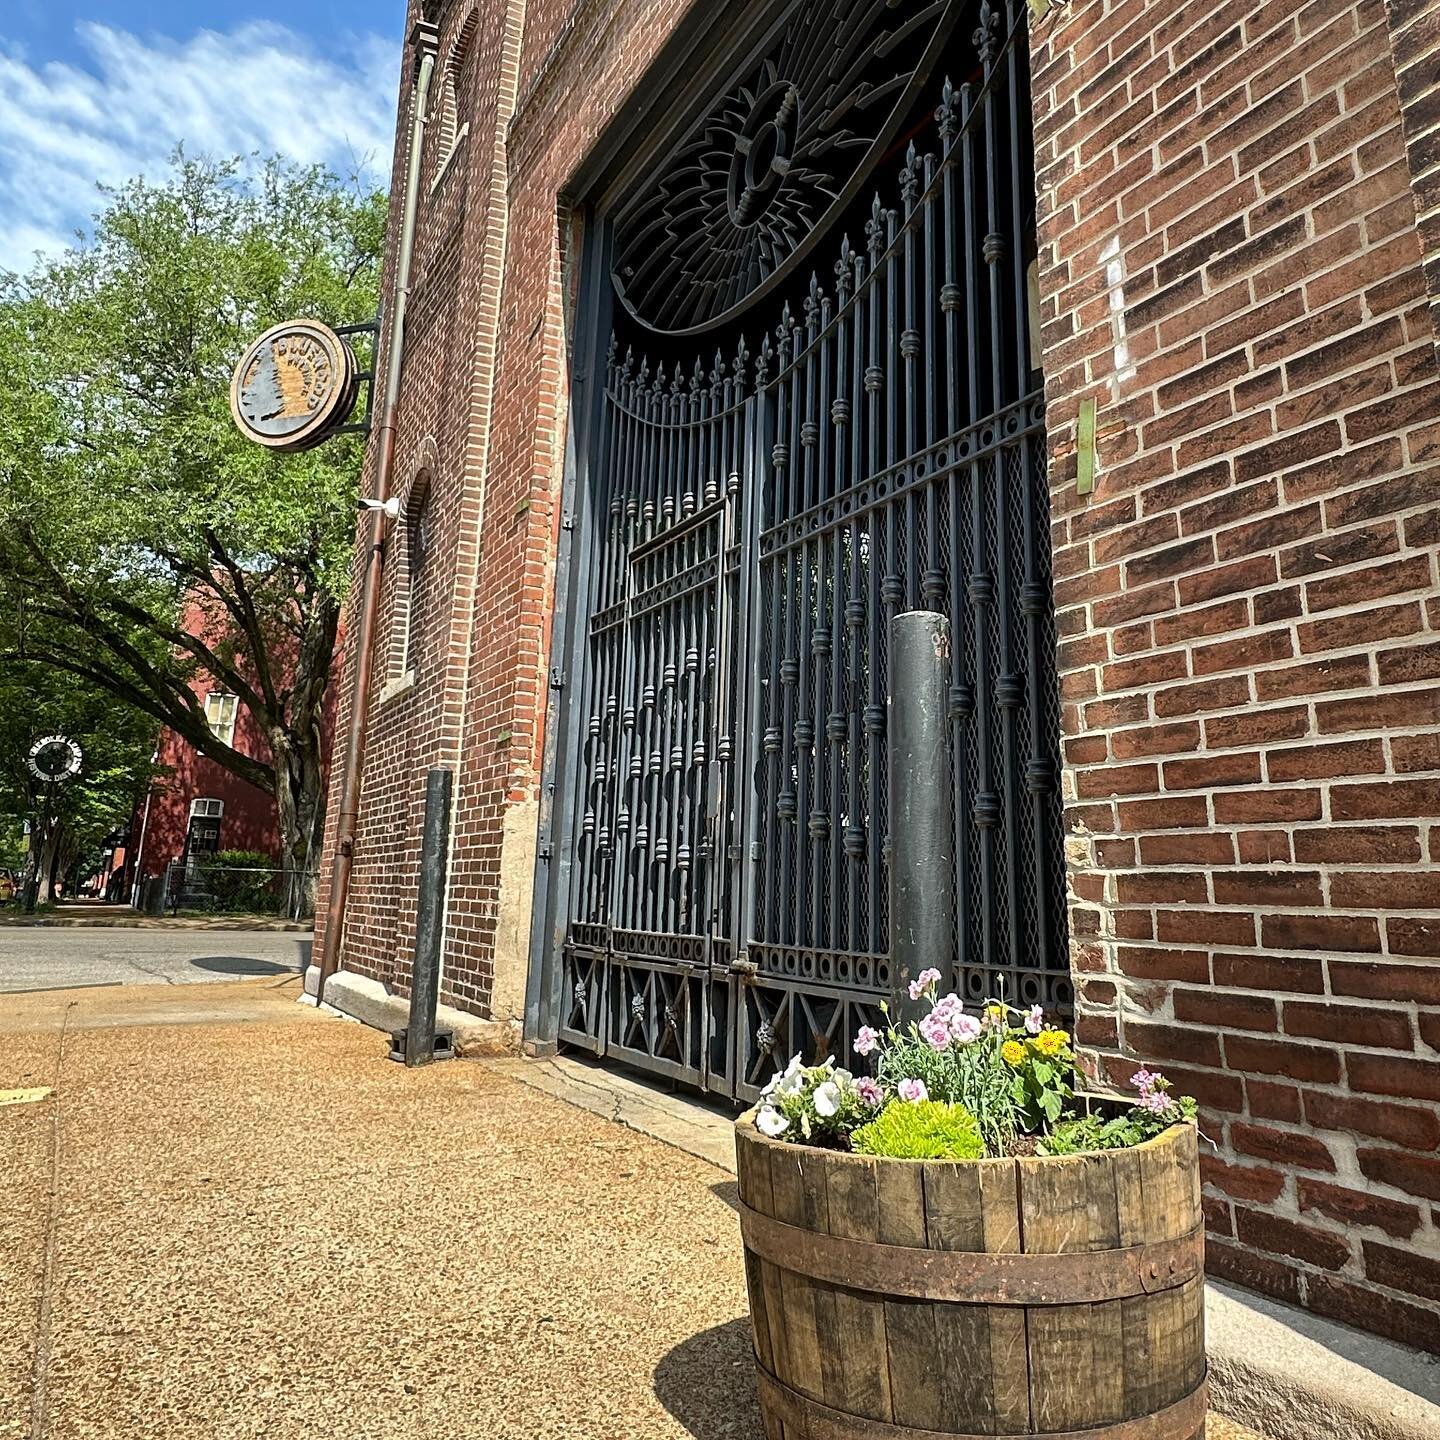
(738, 206)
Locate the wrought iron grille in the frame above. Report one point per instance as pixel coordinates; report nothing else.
(756, 522)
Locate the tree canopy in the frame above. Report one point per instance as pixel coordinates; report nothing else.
(71, 821)
(144, 544)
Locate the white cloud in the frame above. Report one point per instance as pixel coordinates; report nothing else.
(259, 87)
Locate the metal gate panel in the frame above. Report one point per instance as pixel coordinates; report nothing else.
(759, 519)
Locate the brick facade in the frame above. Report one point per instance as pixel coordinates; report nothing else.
(1230, 266)
(1247, 608)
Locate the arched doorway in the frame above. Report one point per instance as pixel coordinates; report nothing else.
(821, 406)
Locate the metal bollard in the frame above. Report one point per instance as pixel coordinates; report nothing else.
(922, 842)
(429, 918)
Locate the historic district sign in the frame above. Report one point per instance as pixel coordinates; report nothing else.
(294, 386)
(54, 758)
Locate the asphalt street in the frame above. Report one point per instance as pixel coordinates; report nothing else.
(37, 958)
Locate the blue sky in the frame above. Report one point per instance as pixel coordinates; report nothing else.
(94, 91)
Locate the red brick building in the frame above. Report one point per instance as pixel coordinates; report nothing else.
(1197, 726)
(195, 807)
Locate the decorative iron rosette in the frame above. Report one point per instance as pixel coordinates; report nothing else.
(738, 206)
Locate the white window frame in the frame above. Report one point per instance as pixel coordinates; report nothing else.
(220, 717)
(206, 807)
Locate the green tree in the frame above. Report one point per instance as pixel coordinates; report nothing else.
(145, 546)
(68, 821)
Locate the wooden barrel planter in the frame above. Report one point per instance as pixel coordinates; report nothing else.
(904, 1300)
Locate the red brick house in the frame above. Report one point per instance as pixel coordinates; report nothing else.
(195, 807)
(1120, 350)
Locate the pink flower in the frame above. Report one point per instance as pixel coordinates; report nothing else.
(965, 1028)
(935, 1031)
(869, 1091)
(1157, 1102)
(913, 1090)
(1034, 1020)
(866, 1040)
(922, 982)
(947, 1007)
(1144, 1080)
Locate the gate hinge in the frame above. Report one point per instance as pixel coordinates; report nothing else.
(754, 849)
(545, 852)
(567, 521)
(557, 678)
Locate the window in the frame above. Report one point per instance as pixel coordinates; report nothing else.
(220, 715)
(202, 835)
(417, 543)
(455, 86)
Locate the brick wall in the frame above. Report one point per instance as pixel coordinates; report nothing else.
(1248, 611)
(483, 393)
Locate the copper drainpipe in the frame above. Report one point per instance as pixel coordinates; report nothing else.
(425, 42)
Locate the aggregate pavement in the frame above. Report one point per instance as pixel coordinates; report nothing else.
(242, 1220)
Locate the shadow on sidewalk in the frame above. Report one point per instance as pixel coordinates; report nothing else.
(708, 1384)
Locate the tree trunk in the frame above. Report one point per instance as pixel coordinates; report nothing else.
(300, 809)
(49, 860)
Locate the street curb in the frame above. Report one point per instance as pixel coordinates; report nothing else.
(370, 1002)
(1293, 1375)
(146, 922)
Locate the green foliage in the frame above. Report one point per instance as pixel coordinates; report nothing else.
(814, 1105)
(971, 1076)
(243, 859)
(117, 744)
(1042, 1070)
(921, 1130)
(143, 542)
(1077, 1134)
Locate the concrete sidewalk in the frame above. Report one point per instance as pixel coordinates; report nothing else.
(235, 1217)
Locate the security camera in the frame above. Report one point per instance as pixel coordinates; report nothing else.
(391, 507)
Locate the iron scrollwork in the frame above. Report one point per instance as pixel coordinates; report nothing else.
(754, 185)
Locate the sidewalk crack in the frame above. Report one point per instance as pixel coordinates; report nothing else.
(40, 1369)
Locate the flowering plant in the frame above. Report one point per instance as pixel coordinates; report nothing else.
(1003, 1071)
(1157, 1110)
(818, 1104)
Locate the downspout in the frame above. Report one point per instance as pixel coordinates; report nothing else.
(425, 41)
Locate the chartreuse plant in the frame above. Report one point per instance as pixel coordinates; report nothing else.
(921, 1130)
(956, 1085)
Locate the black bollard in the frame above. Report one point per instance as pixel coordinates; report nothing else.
(429, 920)
(922, 844)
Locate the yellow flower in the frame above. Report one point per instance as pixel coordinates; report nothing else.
(1051, 1042)
(1012, 1052)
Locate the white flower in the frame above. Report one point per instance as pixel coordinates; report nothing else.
(827, 1099)
(771, 1122)
(788, 1081)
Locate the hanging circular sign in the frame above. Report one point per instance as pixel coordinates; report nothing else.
(294, 386)
(739, 204)
(54, 758)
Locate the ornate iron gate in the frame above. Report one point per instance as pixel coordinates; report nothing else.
(755, 520)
